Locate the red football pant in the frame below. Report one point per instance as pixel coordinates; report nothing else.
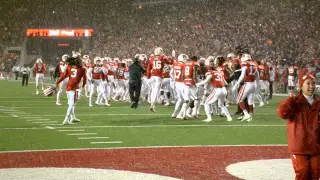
(306, 167)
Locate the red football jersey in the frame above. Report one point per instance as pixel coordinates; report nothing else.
(217, 79)
(120, 73)
(75, 74)
(251, 71)
(222, 68)
(262, 72)
(291, 70)
(177, 71)
(40, 68)
(110, 67)
(166, 71)
(156, 65)
(189, 73)
(97, 72)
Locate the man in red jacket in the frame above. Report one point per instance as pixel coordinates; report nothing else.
(303, 129)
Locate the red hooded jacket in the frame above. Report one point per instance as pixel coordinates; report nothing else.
(303, 125)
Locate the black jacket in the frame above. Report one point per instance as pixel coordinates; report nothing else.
(135, 72)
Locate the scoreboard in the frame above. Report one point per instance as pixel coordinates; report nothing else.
(59, 32)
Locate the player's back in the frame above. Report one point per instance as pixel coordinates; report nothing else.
(189, 73)
(251, 71)
(217, 79)
(75, 74)
(177, 71)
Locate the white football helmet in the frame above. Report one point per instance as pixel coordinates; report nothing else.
(97, 60)
(86, 57)
(183, 58)
(116, 60)
(76, 54)
(246, 57)
(158, 51)
(137, 56)
(143, 57)
(129, 62)
(231, 55)
(65, 57)
(39, 60)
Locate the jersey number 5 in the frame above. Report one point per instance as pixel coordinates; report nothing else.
(74, 72)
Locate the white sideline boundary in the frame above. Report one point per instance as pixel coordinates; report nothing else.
(150, 147)
(107, 142)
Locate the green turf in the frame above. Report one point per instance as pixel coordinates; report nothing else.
(120, 123)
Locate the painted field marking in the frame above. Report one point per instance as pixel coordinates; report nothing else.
(93, 137)
(14, 115)
(72, 130)
(5, 116)
(55, 124)
(49, 127)
(107, 142)
(31, 117)
(177, 125)
(79, 134)
(30, 120)
(148, 147)
(39, 122)
(31, 128)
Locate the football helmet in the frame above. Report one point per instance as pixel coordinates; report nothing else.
(246, 57)
(231, 55)
(97, 60)
(49, 90)
(39, 60)
(64, 57)
(158, 51)
(183, 58)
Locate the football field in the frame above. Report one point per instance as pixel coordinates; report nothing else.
(121, 138)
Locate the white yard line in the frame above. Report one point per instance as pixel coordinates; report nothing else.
(93, 137)
(31, 128)
(49, 127)
(55, 124)
(30, 120)
(41, 122)
(80, 134)
(5, 116)
(72, 130)
(107, 142)
(32, 117)
(14, 115)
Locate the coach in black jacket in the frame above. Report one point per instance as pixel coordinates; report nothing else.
(135, 73)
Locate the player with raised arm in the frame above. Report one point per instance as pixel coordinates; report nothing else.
(250, 76)
(75, 72)
(219, 93)
(154, 74)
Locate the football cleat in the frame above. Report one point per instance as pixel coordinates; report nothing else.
(207, 120)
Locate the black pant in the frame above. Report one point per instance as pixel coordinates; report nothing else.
(270, 89)
(16, 74)
(25, 78)
(134, 90)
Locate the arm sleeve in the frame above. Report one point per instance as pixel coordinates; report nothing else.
(84, 78)
(286, 108)
(65, 75)
(149, 70)
(89, 74)
(142, 69)
(243, 73)
(206, 81)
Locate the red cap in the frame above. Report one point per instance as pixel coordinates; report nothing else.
(304, 78)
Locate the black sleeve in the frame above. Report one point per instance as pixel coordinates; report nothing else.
(56, 72)
(142, 69)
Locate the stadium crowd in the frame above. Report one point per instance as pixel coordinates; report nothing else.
(285, 29)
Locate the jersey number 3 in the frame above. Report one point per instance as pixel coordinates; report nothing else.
(74, 72)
